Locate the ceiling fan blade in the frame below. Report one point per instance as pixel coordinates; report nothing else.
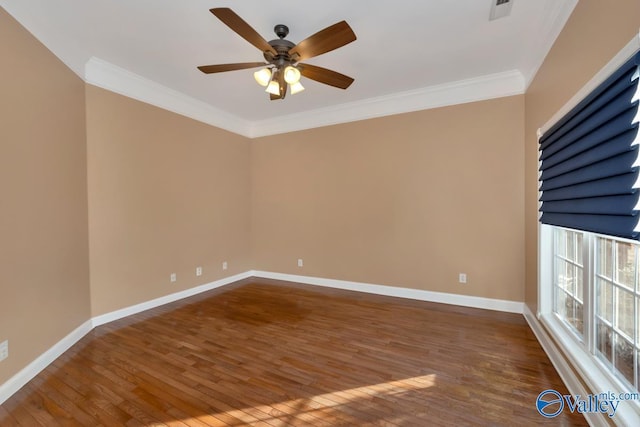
(326, 76)
(323, 41)
(244, 30)
(209, 69)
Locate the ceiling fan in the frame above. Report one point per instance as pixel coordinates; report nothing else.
(282, 68)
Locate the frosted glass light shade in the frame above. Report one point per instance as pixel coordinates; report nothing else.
(296, 88)
(291, 75)
(273, 88)
(262, 76)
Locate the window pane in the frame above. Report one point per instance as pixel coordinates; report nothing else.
(624, 358)
(561, 242)
(562, 280)
(624, 312)
(604, 336)
(604, 257)
(561, 303)
(579, 249)
(569, 274)
(579, 287)
(604, 299)
(626, 264)
(577, 319)
(571, 249)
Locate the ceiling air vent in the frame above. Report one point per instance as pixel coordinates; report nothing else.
(500, 9)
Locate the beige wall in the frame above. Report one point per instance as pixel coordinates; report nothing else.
(408, 200)
(166, 194)
(595, 32)
(44, 279)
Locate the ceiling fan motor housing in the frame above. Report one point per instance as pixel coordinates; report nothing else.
(281, 46)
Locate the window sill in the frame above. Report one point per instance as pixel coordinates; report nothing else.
(590, 370)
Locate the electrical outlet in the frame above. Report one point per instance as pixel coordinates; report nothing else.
(4, 349)
(173, 277)
(300, 263)
(462, 278)
(224, 265)
(198, 271)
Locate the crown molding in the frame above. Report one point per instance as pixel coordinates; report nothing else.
(459, 92)
(115, 79)
(555, 17)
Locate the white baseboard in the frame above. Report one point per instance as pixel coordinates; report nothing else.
(34, 368)
(16, 382)
(393, 291)
(147, 305)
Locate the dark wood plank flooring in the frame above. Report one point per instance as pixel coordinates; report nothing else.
(270, 353)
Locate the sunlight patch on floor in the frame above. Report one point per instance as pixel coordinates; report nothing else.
(326, 407)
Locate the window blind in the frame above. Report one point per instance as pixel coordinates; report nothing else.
(589, 160)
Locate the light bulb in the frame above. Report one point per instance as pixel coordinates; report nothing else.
(296, 87)
(262, 76)
(291, 75)
(273, 88)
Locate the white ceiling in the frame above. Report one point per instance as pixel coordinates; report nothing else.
(409, 54)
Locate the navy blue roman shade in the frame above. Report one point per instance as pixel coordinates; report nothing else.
(589, 160)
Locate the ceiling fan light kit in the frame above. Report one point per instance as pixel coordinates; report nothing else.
(273, 88)
(263, 77)
(283, 70)
(291, 75)
(296, 88)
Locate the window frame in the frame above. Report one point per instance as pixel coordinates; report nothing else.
(580, 352)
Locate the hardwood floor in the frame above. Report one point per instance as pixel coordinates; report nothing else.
(272, 354)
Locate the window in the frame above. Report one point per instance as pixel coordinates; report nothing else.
(589, 260)
(610, 267)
